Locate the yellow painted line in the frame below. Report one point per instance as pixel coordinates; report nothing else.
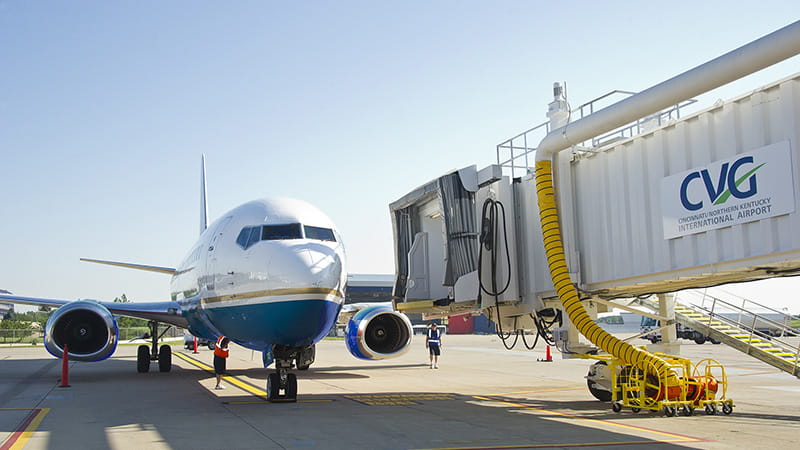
(247, 387)
(19, 438)
(564, 445)
(397, 399)
(674, 437)
(541, 391)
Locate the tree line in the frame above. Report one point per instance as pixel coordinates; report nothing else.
(28, 320)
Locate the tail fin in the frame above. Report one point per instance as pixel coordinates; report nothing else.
(203, 201)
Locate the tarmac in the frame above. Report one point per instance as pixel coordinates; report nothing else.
(482, 397)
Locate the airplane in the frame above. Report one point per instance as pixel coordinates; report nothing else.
(269, 274)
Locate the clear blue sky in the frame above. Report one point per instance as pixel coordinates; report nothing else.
(106, 107)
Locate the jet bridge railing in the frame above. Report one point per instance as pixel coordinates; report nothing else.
(717, 320)
(750, 315)
(516, 152)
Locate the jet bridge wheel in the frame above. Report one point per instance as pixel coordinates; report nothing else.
(165, 358)
(143, 359)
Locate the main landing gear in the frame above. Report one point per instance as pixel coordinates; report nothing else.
(145, 355)
(282, 385)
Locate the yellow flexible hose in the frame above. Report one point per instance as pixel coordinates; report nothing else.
(554, 249)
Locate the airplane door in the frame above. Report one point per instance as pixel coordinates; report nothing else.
(213, 254)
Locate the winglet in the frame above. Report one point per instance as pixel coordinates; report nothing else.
(203, 201)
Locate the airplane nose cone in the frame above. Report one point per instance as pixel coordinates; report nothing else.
(314, 266)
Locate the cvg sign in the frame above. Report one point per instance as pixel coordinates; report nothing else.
(727, 183)
(751, 186)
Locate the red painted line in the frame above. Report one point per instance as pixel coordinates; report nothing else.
(27, 426)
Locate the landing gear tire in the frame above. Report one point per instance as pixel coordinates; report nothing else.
(165, 358)
(273, 386)
(143, 359)
(291, 387)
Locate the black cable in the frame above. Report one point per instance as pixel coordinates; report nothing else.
(488, 238)
(535, 341)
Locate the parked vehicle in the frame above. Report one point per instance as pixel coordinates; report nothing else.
(682, 332)
(188, 342)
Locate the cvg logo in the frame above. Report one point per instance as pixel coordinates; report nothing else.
(727, 183)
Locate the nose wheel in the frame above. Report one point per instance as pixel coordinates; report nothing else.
(282, 385)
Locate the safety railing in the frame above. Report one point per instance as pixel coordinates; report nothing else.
(516, 154)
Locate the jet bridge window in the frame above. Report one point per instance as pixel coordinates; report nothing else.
(281, 232)
(320, 234)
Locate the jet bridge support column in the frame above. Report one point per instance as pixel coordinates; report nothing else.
(669, 336)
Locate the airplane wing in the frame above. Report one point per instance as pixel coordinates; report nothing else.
(165, 312)
(158, 269)
(350, 309)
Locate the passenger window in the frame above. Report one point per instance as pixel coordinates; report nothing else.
(243, 237)
(281, 232)
(320, 234)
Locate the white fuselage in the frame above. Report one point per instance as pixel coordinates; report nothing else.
(269, 272)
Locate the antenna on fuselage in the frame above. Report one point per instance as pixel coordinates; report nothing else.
(203, 201)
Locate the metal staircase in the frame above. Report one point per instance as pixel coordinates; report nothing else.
(739, 327)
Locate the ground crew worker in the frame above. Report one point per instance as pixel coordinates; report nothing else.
(221, 353)
(433, 342)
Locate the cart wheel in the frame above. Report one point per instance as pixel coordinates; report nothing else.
(689, 411)
(616, 407)
(710, 409)
(635, 410)
(727, 409)
(669, 411)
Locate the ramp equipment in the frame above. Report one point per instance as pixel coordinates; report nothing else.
(644, 386)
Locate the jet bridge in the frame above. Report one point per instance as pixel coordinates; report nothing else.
(625, 227)
(633, 199)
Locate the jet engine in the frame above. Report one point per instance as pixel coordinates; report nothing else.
(86, 327)
(378, 332)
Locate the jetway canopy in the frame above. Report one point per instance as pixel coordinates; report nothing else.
(702, 200)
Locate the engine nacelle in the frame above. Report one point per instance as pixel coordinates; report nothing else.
(86, 327)
(378, 332)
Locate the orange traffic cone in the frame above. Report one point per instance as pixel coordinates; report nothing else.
(547, 356)
(65, 368)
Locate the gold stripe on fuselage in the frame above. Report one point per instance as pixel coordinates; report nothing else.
(271, 293)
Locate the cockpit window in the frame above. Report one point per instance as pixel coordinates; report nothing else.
(250, 235)
(281, 232)
(244, 235)
(318, 233)
(255, 236)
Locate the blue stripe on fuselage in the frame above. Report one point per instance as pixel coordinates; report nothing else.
(294, 323)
